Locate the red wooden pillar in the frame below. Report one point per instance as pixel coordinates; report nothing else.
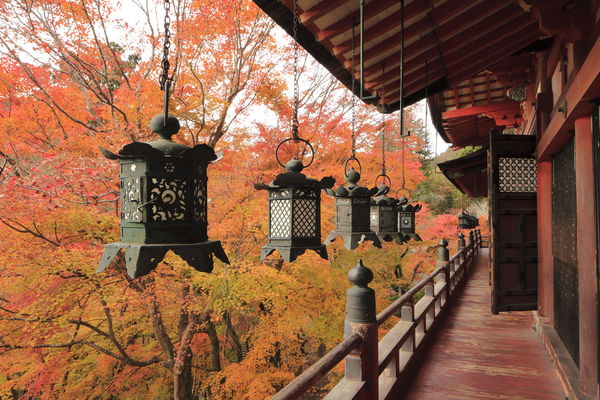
(545, 258)
(586, 255)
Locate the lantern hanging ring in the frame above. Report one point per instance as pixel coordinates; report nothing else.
(406, 190)
(384, 176)
(296, 140)
(352, 158)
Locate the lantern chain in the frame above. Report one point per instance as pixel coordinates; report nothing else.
(295, 123)
(383, 169)
(352, 94)
(164, 77)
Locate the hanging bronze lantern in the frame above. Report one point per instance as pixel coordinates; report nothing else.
(384, 215)
(467, 221)
(294, 210)
(352, 210)
(163, 203)
(406, 218)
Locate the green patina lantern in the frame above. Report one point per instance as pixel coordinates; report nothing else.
(352, 212)
(163, 203)
(384, 215)
(406, 218)
(294, 211)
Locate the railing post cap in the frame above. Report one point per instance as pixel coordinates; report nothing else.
(443, 243)
(360, 275)
(461, 235)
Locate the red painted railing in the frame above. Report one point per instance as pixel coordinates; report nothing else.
(373, 370)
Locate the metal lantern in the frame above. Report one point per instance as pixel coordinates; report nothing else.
(294, 212)
(406, 218)
(163, 203)
(467, 221)
(352, 210)
(384, 216)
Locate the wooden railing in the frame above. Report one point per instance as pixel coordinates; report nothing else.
(373, 370)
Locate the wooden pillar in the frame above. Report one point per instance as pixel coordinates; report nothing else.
(586, 255)
(545, 257)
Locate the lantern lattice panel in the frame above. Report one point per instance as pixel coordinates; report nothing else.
(131, 200)
(167, 197)
(280, 223)
(305, 217)
(199, 197)
(517, 175)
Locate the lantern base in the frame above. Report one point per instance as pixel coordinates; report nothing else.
(289, 254)
(141, 259)
(353, 239)
(397, 237)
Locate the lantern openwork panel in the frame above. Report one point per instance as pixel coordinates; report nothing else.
(383, 218)
(294, 213)
(163, 193)
(163, 200)
(295, 216)
(352, 214)
(406, 218)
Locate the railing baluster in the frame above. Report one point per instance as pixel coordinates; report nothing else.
(407, 314)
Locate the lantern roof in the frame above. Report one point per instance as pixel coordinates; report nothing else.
(293, 177)
(351, 189)
(164, 146)
(404, 205)
(381, 198)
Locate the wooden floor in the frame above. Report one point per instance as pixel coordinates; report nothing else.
(477, 355)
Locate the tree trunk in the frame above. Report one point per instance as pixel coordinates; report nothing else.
(235, 340)
(183, 380)
(215, 347)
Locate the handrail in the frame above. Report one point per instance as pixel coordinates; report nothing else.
(390, 310)
(370, 365)
(305, 380)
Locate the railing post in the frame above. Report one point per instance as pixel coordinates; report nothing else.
(362, 364)
(472, 243)
(442, 261)
(461, 246)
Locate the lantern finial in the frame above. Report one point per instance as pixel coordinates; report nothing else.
(294, 165)
(165, 131)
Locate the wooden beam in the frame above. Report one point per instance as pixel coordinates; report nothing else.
(486, 58)
(319, 10)
(345, 24)
(488, 108)
(579, 100)
(428, 42)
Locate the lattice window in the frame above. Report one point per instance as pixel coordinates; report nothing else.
(305, 217)
(280, 219)
(517, 175)
(131, 199)
(167, 199)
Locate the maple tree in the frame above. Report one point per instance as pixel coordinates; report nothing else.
(71, 83)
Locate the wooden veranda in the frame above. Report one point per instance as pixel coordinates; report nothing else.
(475, 355)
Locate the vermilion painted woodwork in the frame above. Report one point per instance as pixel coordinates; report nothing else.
(545, 258)
(586, 255)
(585, 87)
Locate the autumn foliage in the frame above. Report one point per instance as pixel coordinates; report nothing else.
(81, 74)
